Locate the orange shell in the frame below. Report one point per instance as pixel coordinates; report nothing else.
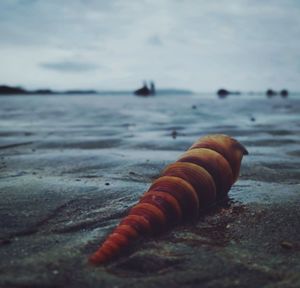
(215, 164)
(167, 203)
(200, 177)
(184, 193)
(228, 147)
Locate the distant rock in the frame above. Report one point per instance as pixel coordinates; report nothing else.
(8, 90)
(145, 91)
(42, 91)
(284, 93)
(271, 93)
(223, 93)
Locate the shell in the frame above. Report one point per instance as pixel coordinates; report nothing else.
(229, 148)
(199, 178)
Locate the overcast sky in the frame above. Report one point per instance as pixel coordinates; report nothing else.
(200, 45)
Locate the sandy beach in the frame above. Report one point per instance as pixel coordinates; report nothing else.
(71, 166)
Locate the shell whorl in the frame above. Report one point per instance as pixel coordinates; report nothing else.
(201, 176)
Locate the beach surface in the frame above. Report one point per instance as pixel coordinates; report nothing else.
(71, 166)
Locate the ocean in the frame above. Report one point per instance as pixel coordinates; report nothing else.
(71, 166)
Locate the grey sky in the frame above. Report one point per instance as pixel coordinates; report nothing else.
(201, 45)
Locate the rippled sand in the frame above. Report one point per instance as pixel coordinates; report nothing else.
(71, 166)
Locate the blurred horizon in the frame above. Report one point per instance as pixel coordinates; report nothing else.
(114, 45)
(160, 91)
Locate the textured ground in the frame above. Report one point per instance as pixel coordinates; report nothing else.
(71, 166)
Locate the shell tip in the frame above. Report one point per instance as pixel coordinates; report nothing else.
(241, 147)
(245, 151)
(96, 259)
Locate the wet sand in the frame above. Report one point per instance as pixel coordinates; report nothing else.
(71, 166)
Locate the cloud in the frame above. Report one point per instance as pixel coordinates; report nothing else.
(69, 66)
(238, 43)
(155, 40)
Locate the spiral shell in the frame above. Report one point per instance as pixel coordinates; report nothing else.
(201, 176)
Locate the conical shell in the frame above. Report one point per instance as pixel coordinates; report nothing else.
(200, 177)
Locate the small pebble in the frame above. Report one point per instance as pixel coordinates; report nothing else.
(5, 241)
(286, 245)
(107, 184)
(194, 107)
(174, 134)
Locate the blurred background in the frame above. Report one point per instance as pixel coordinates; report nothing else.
(115, 45)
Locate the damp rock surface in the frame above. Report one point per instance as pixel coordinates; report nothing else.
(71, 167)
